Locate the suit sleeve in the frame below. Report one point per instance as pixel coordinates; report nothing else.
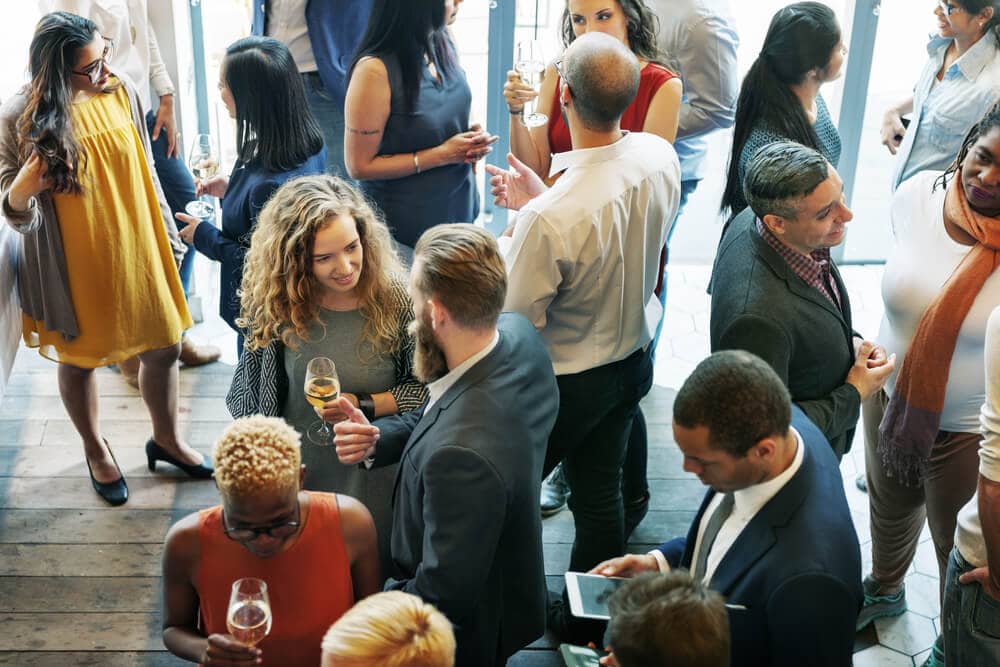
(834, 414)
(464, 509)
(801, 632)
(214, 244)
(394, 431)
(673, 551)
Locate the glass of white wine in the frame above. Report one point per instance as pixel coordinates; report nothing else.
(322, 387)
(530, 66)
(249, 617)
(203, 161)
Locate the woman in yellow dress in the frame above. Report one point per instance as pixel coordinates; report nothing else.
(97, 271)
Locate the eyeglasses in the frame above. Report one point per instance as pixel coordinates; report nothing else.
(251, 533)
(95, 70)
(558, 65)
(947, 8)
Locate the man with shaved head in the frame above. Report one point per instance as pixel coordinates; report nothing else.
(582, 258)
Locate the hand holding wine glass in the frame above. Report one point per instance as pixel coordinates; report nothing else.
(249, 616)
(203, 161)
(322, 386)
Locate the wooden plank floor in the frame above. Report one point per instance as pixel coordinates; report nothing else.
(79, 581)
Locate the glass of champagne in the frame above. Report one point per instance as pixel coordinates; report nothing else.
(322, 386)
(530, 66)
(249, 617)
(204, 163)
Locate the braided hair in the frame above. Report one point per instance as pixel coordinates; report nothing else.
(989, 121)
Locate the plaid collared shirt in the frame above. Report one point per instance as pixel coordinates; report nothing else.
(814, 269)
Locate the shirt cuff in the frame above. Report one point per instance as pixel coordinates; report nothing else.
(661, 561)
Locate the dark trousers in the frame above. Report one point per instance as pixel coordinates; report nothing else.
(178, 188)
(596, 411)
(635, 486)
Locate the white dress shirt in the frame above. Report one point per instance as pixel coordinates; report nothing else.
(286, 22)
(136, 53)
(584, 256)
(436, 389)
(746, 504)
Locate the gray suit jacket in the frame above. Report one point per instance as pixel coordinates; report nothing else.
(760, 305)
(466, 532)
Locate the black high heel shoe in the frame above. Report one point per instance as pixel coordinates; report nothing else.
(155, 453)
(116, 492)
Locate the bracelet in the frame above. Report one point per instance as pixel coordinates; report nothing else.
(416, 163)
(366, 404)
(519, 112)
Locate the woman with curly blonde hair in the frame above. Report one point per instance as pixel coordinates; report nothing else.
(322, 279)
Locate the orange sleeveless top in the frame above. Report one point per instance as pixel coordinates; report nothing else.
(309, 584)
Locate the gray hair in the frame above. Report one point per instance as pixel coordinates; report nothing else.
(603, 78)
(779, 175)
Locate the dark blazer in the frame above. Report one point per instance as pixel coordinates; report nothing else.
(792, 579)
(249, 189)
(760, 305)
(335, 30)
(466, 532)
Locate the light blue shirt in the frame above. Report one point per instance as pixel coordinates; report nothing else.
(699, 41)
(944, 111)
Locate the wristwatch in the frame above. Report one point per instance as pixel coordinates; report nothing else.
(366, 405)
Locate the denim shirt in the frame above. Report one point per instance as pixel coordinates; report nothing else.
(944, 111)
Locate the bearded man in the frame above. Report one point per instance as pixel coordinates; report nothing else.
(466, 531)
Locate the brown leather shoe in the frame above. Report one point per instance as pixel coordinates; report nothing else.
(198, 355)
(129, 368)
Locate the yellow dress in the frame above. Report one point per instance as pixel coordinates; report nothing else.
(123, 280)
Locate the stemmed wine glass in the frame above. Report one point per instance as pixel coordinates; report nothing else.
(204, 163)
(249, 616)
(530, 66)
(322, 386)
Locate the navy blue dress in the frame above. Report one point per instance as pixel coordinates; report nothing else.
(249, 189)
(414, 203)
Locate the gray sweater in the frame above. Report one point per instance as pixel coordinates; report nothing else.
(42, 281)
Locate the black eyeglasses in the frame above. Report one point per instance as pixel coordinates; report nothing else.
(95, 70)
(251, 533)
(948, 8)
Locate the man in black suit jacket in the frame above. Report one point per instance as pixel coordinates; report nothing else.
(783, 550)
(466, 532)
(777, 293)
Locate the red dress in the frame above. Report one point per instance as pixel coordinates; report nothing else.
(651, 78)
(309, 584)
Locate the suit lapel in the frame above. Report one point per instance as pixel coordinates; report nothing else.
(759, 535)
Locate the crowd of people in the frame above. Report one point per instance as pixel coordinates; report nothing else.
(471, 368)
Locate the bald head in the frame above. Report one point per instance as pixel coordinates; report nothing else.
(603, 76)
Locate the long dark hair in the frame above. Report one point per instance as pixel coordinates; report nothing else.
(45, 126)
(973, 7)
(643, 25)
(989, 121)
(410, 30)
(801, 38)
(274, 126)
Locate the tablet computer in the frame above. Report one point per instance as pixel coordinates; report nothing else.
(589, 593)
(580, 656)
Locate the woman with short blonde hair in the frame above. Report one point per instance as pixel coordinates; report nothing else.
(392, 629)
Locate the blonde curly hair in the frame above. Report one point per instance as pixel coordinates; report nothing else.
(257, 454)
(279, 296)
(391, 629)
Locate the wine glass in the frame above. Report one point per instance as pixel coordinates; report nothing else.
(322, 386)
(530, 66)
(249, 617)
(204, 163)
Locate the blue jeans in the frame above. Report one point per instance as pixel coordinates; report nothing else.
(635, 486)
(970, 620)
(178, 187)
(330, 116)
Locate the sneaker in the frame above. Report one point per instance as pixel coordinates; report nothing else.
(555, 492)
(879, 606)
(936, 657)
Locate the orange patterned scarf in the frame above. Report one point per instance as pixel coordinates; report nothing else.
(912, 418)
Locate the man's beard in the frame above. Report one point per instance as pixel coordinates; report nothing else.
(429, 363)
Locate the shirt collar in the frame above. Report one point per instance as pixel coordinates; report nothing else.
(585, 156)
(970, 63)
(808, 266)
(436, 389)
(752, 498)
